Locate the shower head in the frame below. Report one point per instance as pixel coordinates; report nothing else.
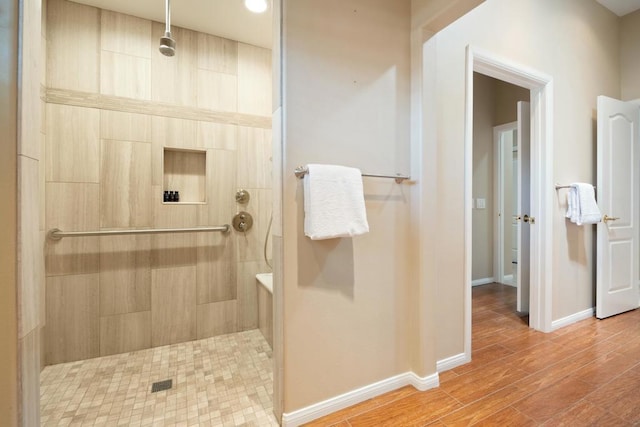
(167, 45)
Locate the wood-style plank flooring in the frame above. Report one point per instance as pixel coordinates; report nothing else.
(586, 374)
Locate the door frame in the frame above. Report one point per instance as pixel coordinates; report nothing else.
(541, 99)
(498, 191)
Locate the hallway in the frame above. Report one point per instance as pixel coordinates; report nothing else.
(585, 374)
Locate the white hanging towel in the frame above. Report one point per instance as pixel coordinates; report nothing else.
(583, 208)
(333, 202)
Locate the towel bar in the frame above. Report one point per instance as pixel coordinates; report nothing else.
(558, 186)
(301, 171)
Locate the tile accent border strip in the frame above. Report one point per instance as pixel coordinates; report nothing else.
(315, 411)
(153, 108)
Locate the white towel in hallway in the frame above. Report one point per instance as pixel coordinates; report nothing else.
(334, 202)
(583, 208)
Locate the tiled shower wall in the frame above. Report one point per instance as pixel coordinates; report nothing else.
(113, 104)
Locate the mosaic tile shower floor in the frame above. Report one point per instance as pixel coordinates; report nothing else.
(220, 381)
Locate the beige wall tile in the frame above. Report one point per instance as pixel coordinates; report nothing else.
(248, 293)
(254, 80)
(123, 333)
(125, 75)
(73, 144)
(217, 54)
(125, 184)
(72, 318)
(74, 255)
(172, 215)
(43, 19)
(31, 64)
(173, 250)
(217, 135)
(173, 303)
(185, 172)
(73, 51)
(31, 256)
(30, 355)
(221, 189)
(42, 182)
(43, 123)
(43, 45)
(42, 283)
(125, 274)
(250, 244)
(217, 318)
(216, 268)
(217, 91)
(254, 154)
(72, 207)
(169, 132)
(277, 172)
(125, 34)
(174, 79)
(125, 126)
(265, 314)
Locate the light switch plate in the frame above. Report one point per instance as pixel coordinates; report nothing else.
(480, 203)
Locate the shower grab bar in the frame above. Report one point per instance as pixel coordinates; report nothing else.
(57, 234)
(301, 171)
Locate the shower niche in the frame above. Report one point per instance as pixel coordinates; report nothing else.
(185, 172)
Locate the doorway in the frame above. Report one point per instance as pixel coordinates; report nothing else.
(501, 187)
(541, 185)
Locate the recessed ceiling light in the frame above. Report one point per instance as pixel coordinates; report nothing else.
(256, 6)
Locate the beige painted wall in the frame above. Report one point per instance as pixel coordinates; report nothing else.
(345, 314)
(506, 101)
(573, 41)
(483, 166)
(9, 397)
(114, 105)
(630, 56)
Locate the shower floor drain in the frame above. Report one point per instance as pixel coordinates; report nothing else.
(161, 385)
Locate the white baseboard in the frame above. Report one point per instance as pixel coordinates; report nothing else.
(509, 280)
(484, 281)
(310, 413)
(576, 317)
(452, 362)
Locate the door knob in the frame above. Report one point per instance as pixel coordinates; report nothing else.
(608, 218)
(529, 219)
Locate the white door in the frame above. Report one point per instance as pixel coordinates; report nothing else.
(617, 191)
(524, 205)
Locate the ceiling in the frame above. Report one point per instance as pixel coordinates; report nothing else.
(621, 7)
(230, 19)
(224, 18)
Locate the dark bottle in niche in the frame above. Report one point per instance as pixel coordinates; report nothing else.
(171, 196)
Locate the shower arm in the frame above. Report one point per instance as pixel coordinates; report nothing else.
(167, 27)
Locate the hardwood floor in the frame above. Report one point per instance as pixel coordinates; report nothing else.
(586, 374)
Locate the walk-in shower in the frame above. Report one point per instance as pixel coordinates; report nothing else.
(142, 288)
